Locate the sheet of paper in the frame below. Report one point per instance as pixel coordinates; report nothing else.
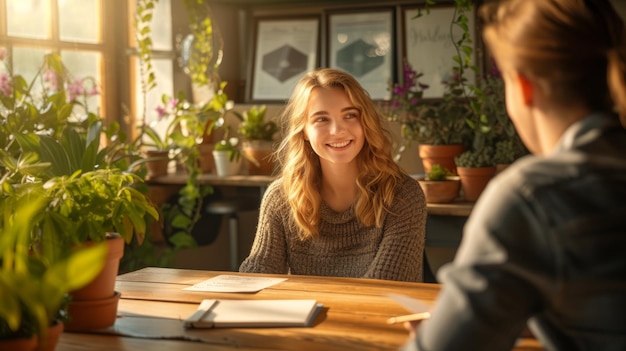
(235, 283)
(411, 304)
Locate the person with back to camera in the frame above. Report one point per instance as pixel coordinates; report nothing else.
(546, 242)
(341, 205)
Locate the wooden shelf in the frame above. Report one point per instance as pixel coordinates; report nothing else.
(458, 208)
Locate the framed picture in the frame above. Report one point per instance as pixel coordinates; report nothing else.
(428, 46)
(362, 44)
(284, 49)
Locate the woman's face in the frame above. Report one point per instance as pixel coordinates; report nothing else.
(333, 126)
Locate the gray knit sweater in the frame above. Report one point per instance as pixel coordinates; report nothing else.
(344, 248)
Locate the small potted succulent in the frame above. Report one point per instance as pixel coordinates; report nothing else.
(440, 185)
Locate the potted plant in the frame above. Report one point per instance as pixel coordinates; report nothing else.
(227, 156)
(89, 204)
(440, 185)
(156, 151)
(53, 140)
(258, 139)
(34, 286)
(439, 126)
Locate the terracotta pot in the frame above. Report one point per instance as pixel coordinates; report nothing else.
(207, 162)
(92, 314)
(501, 167)
(474, 180)
(103, 286)
(95, 305)
(19, 344)
(34, 343)
(439, 154)
(52, 338)
(159, 165)
(440, 191)
(259, 156)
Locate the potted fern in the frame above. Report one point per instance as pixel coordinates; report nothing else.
(258, 139)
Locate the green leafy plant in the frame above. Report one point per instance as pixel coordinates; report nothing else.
(51, 138)
(229, 145)
(434, 122)
(203, 55)
(33, 286)
(253, 125)
(473, 158)
(509, 150)
(437, 172)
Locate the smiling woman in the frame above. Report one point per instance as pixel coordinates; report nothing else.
(341, 206)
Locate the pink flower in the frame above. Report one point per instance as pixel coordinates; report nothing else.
(5, 84)
(161, 112)
(75, 89)
(52, 79)
(172, 104)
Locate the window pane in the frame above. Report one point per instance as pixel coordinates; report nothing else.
(164, 72)
(27, 62)
(28, 18)
(161, 26)
(79, 20)
(84, 67)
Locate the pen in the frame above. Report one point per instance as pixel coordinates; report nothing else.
(409, 317)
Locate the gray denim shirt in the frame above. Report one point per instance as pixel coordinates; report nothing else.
(545, 243)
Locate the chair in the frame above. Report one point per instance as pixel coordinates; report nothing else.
(232, 207)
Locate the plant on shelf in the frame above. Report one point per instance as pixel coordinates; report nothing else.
(227, 155)
(258, 135)
(438, 126)
(438, 173)
(253, 125)
(190, 123)
(427, 121)
(440, 185)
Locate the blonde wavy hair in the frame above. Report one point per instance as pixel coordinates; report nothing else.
(300, 168)
(575, 49)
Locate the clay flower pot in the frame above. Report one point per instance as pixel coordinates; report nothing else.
(157, 162)
(474, 180)
(439, 154)
(440, 191)
(95, 305)
(259, 156)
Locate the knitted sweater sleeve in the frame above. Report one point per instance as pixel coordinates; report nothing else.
(400, 252)
(269, 249)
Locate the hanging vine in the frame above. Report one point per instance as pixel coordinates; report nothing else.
(204, 45)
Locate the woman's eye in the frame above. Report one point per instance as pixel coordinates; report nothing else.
(321, 119)
(352, 115)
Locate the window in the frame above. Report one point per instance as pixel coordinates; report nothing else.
(71, 28)
(163, 63)
(95, 38)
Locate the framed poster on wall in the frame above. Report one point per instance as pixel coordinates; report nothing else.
(284, 49)
(429, 46)
(362, 44)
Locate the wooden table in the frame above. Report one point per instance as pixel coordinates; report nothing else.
(354, 315)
